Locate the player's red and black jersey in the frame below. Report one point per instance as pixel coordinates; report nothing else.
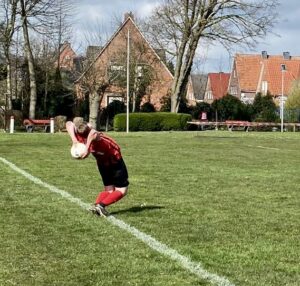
(103, 148)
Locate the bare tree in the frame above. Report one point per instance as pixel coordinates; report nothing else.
(8, 10)
(62, 26)
(94, 82)
(179, 25)
(37, 16)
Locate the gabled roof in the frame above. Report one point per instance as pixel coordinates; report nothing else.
(273, 74)
(248, 69)
(199, 82)
(129, 18)
(219, 84)
(253, 69)
(64, 46)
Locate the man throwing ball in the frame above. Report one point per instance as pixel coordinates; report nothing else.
(109, 161)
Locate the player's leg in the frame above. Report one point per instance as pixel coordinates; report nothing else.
(114, 196)
(102, 195)
(120, 180)
(118, 175)
(108, 189)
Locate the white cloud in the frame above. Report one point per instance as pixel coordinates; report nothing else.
(146, 9)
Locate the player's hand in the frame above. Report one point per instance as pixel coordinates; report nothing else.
(85, 154)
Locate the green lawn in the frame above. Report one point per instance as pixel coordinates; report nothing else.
(229, 201)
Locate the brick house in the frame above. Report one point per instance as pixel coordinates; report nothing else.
(196, 88)
(254, 73)
(67, 57)
(110, 66)
(217, 86)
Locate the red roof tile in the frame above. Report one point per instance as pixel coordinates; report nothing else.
(248, 70)
(253, 69)
(274, 76)
(219, 84)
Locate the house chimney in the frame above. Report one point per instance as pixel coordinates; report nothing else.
(127, 15)
(264, 54)
(286, 56)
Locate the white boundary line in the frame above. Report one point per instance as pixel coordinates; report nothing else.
(184, 261)
(269, 148)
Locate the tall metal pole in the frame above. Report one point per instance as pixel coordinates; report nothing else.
(283, 68)
(127, 96)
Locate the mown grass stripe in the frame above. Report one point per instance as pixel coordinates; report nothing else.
(186, 263)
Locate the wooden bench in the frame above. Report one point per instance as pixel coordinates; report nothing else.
(30, 124)
(237, 123)
(244, 125)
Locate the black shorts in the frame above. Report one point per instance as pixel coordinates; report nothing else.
(114, 174)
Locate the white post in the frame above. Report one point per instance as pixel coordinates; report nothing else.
(283, 68)
(281, 102)
(12, 124)
(127, 99)
(51, 125)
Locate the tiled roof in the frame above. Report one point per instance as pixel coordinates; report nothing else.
(274, 76)
(248, 71)
(253, 69)
(128, 20)
(199, 85)
(219, 84)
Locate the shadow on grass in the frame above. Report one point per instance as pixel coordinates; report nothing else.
(137, 209)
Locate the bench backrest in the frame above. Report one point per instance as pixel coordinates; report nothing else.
(237, 122)
(36, 121)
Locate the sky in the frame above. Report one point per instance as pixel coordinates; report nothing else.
(102, 15)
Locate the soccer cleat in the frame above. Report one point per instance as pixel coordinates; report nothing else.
(101, 211)
(92, 209)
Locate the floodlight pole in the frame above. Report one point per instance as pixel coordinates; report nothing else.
(283, 69)
(127, 96)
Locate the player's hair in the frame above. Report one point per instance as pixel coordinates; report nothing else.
(80, 125)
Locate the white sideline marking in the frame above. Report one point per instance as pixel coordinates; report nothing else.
(185, 262)
(270, 148)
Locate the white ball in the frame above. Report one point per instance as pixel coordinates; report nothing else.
(77, 150)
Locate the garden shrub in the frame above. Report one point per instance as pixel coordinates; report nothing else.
(147, 107)
(156, 121)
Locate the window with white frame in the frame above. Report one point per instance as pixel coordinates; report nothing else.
(233, 90)
(139, 71)
(115, 67)
(117, 72)
(209, 94)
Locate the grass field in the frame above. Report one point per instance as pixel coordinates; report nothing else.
(227, 201)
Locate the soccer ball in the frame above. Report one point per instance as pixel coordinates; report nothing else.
(77, 150)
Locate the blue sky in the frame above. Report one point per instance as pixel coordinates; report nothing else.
(104, 14)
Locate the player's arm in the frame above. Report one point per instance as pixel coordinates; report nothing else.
(91, 137)
(71, 131)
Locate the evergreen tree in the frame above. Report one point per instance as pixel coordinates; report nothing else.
(264, 109)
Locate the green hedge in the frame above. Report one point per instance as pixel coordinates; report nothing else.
(152, 121)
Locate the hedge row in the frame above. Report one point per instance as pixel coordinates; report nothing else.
(152, 121)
